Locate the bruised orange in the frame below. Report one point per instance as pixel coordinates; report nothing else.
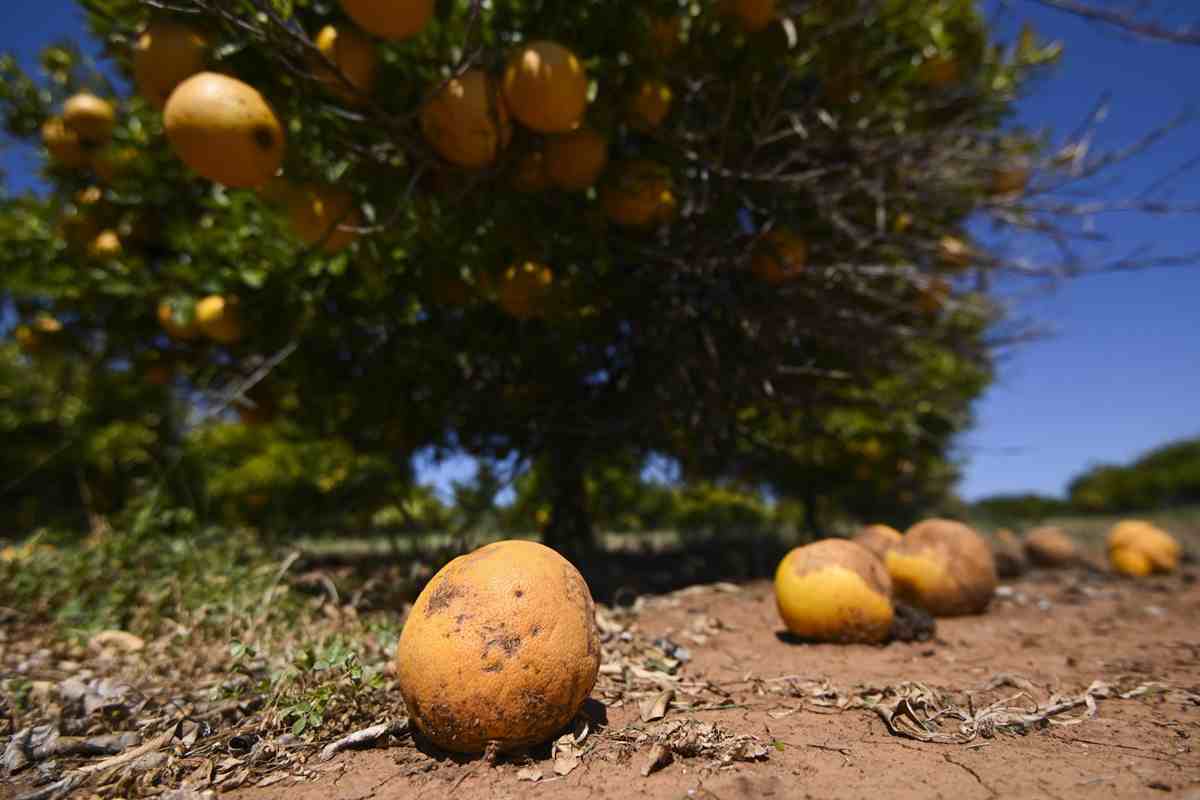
(500, 647)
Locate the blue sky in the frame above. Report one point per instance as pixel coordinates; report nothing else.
(1121, 372)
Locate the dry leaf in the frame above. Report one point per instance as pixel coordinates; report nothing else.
(660, 756)
(121, 640)
(656, 707)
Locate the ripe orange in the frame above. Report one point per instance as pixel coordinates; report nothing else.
(106, 245)
(546, 87)
(575, 160)
(390, 19)
(649, 104)
(529, 175)
(779, 256)
(354, 55)
(939, 71)
(91, 118)
(954, 252)
(639, 194)
(934, 295)
(525, 289)
(323, 215)
(224, 130)
(217, 318)
(664, 36)
(466, 122)
(63, 144)
(113, 164)
(164, 56)
(1011, 179)
(751, 15)
(175, 328)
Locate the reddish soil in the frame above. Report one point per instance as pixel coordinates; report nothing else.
(1057, 631)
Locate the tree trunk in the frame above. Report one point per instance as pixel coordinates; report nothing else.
(569, 530)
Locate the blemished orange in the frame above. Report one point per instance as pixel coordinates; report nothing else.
(834, 590)
(545, 87)
(639, 194)
(575, 160)
(165, 55)
(501, 646)
(944, 567)
(224, 130)
(466, 122)
(649, 104)
(390, 19)
(779, 256)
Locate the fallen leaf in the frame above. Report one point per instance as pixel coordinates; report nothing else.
(660, 756)
(656, 707)
(121, 640)
(532, 774)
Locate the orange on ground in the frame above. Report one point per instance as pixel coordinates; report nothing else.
(878, 539)
(500, 646)
(779, 256)
(390, 19)
(639, 194)
(943, 567)
(834, 590)
(165, 55)
(545, 87)
(575, 160)
(465, 122)
(224, 130)
(1134, 536)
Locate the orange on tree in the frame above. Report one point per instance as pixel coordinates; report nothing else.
(529, 174)
(546, 87)
(390, 19)
(354, 55)
(1010, 179)
(779, 256)
(751, 15)
(465, 122)
(664, 36)
(113, 163)
(954, 252)
(91, 118)
(179, 323)
(649, 104)
(31, 338)
(525, 289)
(224, 130)
(165, 55)
(217, 318)
(939, 71)
(933, 295)
(63, 144)
(323, 215)
(575, 160)
(639, 194)
(449, 288)
(106, 245)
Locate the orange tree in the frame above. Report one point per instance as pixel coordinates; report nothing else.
(568, 232)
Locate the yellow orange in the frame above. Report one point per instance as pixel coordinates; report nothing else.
(465, 122)
(649, 104)
(575, 160)
(354, 55)
(390, 19)
(639, 194)
(90, 117)
(545, 86)
(166, 54)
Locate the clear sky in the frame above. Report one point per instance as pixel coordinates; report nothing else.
(1121, 372)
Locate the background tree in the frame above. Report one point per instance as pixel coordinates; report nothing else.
(738, 239)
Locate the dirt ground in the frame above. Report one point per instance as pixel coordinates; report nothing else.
(1074, 684)
(1048, 634)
